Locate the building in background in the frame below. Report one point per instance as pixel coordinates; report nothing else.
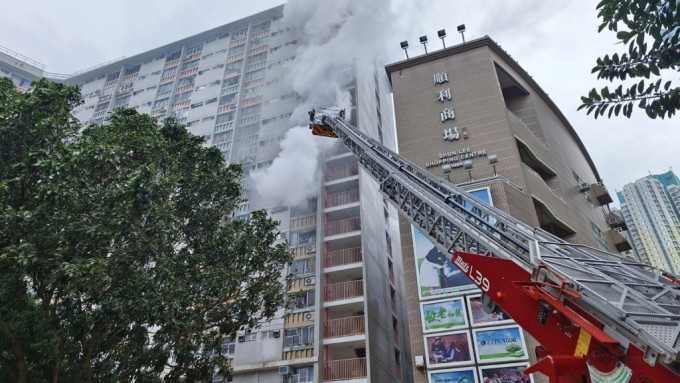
(650, 208)
(348, 321)
(469, 113)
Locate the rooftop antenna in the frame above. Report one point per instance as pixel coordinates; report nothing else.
(404, 46)
(423, 40)
(461, 30)
(442, 33)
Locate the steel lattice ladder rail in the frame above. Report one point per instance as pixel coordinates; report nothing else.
(633, 298)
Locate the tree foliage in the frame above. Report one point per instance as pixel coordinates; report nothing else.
(651, 31)
(118, 262)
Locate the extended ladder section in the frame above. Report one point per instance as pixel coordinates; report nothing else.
(633, 299)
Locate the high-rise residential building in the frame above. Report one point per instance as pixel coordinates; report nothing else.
(470, 114)
(650, 208)
(348, 321)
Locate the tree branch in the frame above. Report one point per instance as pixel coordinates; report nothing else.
(17, 350)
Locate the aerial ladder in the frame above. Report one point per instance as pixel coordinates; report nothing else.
(598, 317)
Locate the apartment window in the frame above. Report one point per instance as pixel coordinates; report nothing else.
(237, 49)
(161, 103)
(195, 49)
(302, 238)
(300, 375)
(196, 105)
(303, 300)
(165, 87)
(250, 336)
(302, 337)
(210, 101)
(269, 334)
(189, 65)
(228, 347)
(268, 120)
(302, 267)
(169, 72)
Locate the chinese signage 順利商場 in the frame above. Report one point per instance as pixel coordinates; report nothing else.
(499, 344)
(443, 315)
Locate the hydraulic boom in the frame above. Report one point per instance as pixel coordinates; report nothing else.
(580, 306)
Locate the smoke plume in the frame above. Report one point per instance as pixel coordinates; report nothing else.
(335, 39)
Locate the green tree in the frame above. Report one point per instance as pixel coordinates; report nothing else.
(651, 30)
(118, 262)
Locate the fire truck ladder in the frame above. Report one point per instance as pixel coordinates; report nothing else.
(632, 298)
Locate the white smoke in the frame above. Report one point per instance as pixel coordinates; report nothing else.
(334, 39)
(295, 174)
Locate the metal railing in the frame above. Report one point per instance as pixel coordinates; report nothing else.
(345, 326)
(333, 174)
(345, 290)
(343, 226)
(345, 369)
(343, 257)
(342, 198)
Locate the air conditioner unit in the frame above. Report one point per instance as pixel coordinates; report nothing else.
(311, 248)
(241, 338)
(310, 281)
(285, 370)
(309, 316)
(277, 333)
(583, 187)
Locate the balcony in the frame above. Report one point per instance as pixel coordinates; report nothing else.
(251, 101)
(600, 192)
(231, 74)
(345, 327)
(342, 198)
(262, 33)
(615, 221)
(110, 83)
(226, 108)
(236, 57)
(184, 88)
(130, 77)
(257, 50)
(167, 79)
(345, 369)
(345, 290)
(343, 226)
(188, 72)
(619, 241)
(343, 257)
(171, 64)
(192, 57)
(253, 83)
(158, 112)
(180, 105)
(341, 172)
(230, 90)
(238, 41)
